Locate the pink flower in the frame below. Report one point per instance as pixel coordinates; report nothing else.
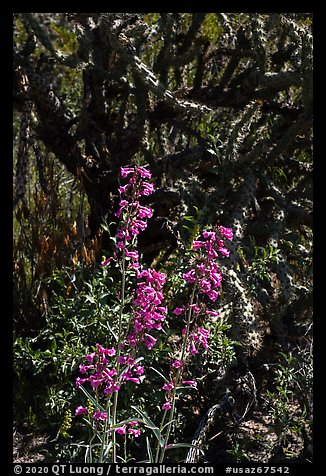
(212, 253)
(106, 262)
(224, 251)
(200, 336)
(81, 411)
(125, 171)
(122, 359)
(104, 350)
(197, 244)
(83, 368)
(133, 379)
(132, 254)
(109, 373)
(90, 357)
(178, 311)
(144, 212)
(216, 279)
(150, 341)
(139, 369)
(213, 295)
(100, 415)
(210, 235)
(213, 313)
(203, 332)
(145, 173)
(195, 308)
(111, 388)
(140, 224)
(177, 364)
(121, 429)
(168, 386)
(134, 266)
(167, 406)
(205, 285)
(134, 431)
(95, 382)
(80, 381)
(123, 204)
(189, 276)
(148, 188)
(226, 232)
(194, 351)
(123, 188)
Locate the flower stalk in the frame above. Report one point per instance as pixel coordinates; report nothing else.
(116, 394)
(108, 369)
(177, 378)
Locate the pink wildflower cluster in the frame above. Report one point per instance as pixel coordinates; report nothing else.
(206, 276)
(103, 378)
(148, 311)
(132, 214)
(98, 415)
(101, 375)
(198, 336)
(106, 370)
(206, 273)
(131, 428)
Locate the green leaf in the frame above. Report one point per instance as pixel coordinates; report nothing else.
(150, 425)
(183, 445)
(108, 447)
(149, 450)
(90, 299)
(188, 387)
(106, 226)
(159, 373)
(215, 170)
(139, 359)
(103, 295)
(168, 423)
(53, 346)
(92, 399)
(126, 421)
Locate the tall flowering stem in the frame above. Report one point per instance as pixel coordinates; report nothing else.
(205, 277)
(177, 380)
(107, 369)
(146, 314)
(133, 218)
(120, 337)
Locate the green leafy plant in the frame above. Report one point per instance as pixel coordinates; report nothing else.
(262, 259)
(120, 363)
(284, 409)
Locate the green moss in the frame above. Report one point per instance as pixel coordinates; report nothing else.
(66, 40)
(20, 34)
(211, 27)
